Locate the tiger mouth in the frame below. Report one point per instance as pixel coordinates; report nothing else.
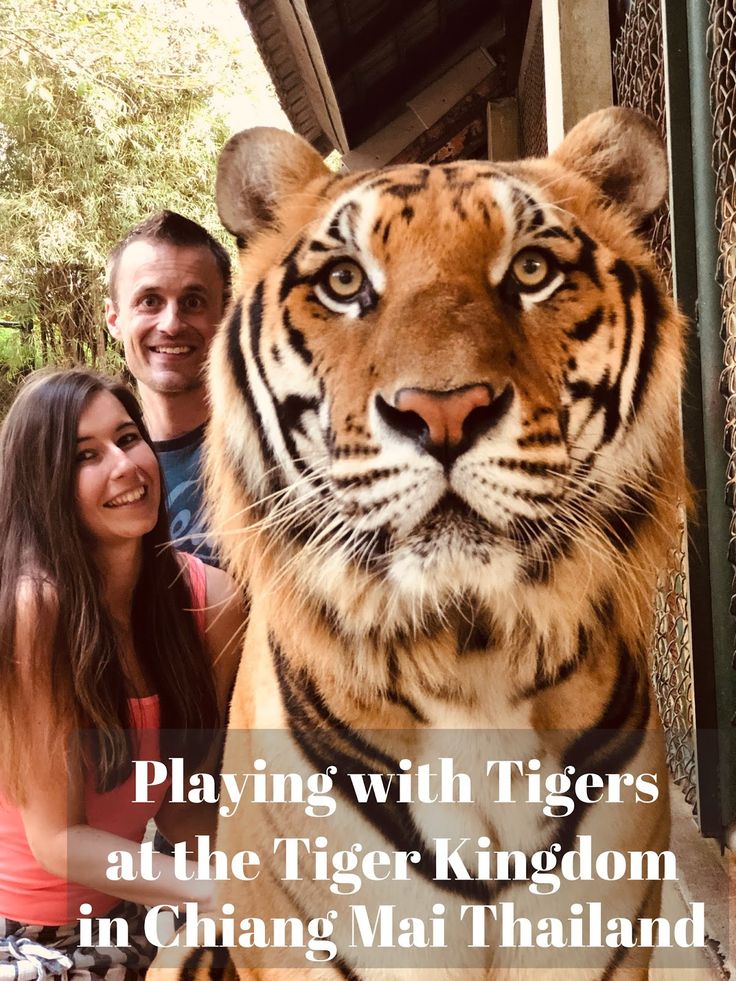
(452, 514)
(453, 511)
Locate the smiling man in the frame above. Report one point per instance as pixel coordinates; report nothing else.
(169, 280)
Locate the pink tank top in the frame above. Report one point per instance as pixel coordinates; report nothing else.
(30, 894)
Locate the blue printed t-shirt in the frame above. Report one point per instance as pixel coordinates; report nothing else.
(180, 460)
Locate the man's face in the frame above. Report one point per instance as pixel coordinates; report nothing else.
(169, 301)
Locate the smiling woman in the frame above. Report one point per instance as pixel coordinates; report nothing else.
(118, 489)
(106, 637)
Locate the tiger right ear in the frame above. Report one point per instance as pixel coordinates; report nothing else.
(258, 169)
(619, 150)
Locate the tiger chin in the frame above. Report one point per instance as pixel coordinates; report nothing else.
(445, 459)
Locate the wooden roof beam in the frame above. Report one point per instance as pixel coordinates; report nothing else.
(391, 19)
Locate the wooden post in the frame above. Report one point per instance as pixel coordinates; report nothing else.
(577, 63)
(502, 119)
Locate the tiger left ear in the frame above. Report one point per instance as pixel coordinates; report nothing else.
(621, 151)
(257, 171)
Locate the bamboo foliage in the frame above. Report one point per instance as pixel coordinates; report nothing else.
(109, 110)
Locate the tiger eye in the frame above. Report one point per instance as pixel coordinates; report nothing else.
(345, 279)
(530, 268)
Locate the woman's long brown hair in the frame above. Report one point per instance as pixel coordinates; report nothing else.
(78, 669)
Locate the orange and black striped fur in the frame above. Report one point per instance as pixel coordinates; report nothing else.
(445, 457)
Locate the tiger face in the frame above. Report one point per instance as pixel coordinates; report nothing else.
(452, 378)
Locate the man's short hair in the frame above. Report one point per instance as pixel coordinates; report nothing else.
(168, 226)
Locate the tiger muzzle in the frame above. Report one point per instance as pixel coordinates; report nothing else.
(446, 424)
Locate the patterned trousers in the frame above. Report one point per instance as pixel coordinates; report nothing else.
(88, 963)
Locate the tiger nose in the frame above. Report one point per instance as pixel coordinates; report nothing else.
(446, 423)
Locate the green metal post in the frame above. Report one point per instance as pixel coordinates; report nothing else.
(714, 406)
(695, 258)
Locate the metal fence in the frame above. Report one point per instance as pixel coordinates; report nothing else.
(676, 60)
(639, 74)
(723, 101)
(532, 91)
(722, 80)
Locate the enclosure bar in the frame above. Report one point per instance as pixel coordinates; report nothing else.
(680, 135)
(714, 404)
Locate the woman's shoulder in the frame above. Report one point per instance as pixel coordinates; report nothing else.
(221, 587)
(212, 585)
(193, 567)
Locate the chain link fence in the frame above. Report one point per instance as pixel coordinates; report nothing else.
(639, 75)
(532, 91)
(722, 45)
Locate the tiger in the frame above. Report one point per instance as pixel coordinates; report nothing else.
(445, 460)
